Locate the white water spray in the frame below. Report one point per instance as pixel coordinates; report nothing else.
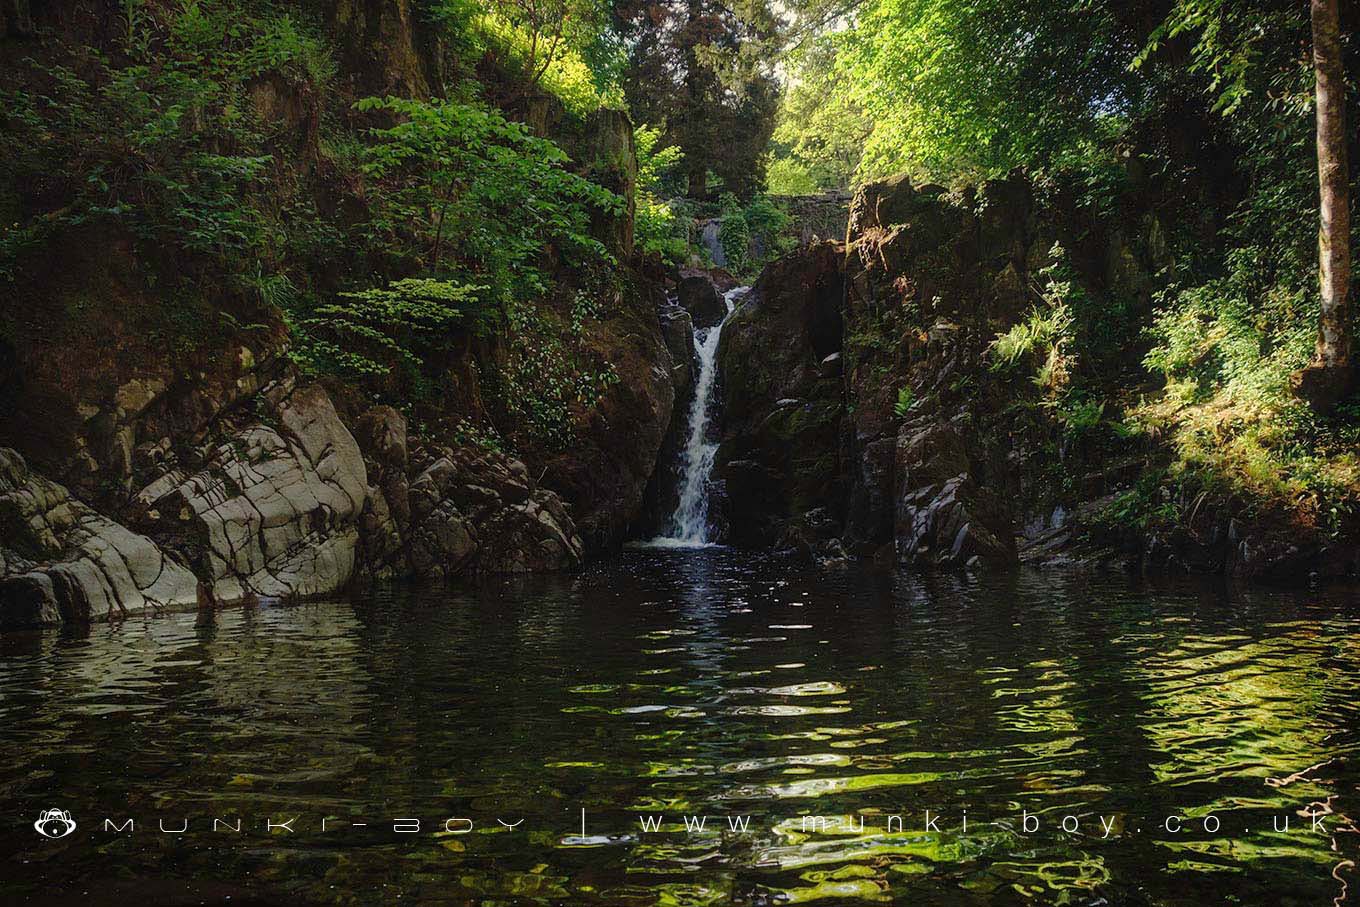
(688, 526)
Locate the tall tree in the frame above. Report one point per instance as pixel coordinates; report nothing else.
(697, 71)
(1331, 375)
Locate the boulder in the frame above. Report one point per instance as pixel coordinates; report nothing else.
(677, 328)
(721, 277)
(62, 561)
(943, 516)
(382, 437)
(698, 296)
(273, 508)
(1323, 386)
(477, 511)
(380, 47)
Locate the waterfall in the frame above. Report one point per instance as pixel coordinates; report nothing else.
(688, 527)
(713, 243)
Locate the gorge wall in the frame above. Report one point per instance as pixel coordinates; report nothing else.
(160, 447)
(164, 444)
(865, 415)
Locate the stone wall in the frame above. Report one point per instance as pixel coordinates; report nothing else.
(818, 217)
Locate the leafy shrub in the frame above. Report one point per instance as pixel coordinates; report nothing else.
(734, 235)
(556, 45)
(656, 228)
(467, 433)
(659, 169)
(1045, 336)
(548, 375)
(788, 177)
(406, 324)
(164, 141)
(1080, 414)
(482, 195)
(906, 399)
(765, 219)
(1042, 336)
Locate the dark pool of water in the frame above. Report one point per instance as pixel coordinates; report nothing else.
(710, 684)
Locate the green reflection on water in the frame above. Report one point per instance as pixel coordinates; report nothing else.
(739, 689)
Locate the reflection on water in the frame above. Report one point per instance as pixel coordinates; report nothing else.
(813, 720)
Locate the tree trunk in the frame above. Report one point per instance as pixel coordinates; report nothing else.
(698, 181)
(1331, 375)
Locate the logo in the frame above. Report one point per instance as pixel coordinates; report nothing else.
(55, 823)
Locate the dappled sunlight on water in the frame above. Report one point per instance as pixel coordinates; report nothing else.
(784, 732)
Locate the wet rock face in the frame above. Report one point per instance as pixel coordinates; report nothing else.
(902, 443)
(283, 502)
(850, 383)
(475, 511)
(700, 297)
(604, 473)
(930, 281)
(62, 561)
(943, 517)
(272, 509)
(677, 327)
(780, 457)
(663, 489)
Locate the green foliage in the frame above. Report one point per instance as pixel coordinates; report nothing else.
(819, 139)
(696, 68)
(550, 377)
(1043, 338)
(785, 176)
(967, 90)
(467, 433)
(734, 234)
(564, 47)
(479, 195)
(906, 399)
(658, 165)
(177, 138)
(408, 324)
(1051, 341)
(485, 206)
(765, 219)
(548, 45)
(1079, 414)
(657, 227)
(1227, 343)
(766, 225)
(1146, 505)
(165, 142)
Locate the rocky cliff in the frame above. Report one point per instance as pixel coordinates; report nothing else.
(277, 500)
(161, 445)
(865, 415)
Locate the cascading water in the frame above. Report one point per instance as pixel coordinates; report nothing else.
(688, 526)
